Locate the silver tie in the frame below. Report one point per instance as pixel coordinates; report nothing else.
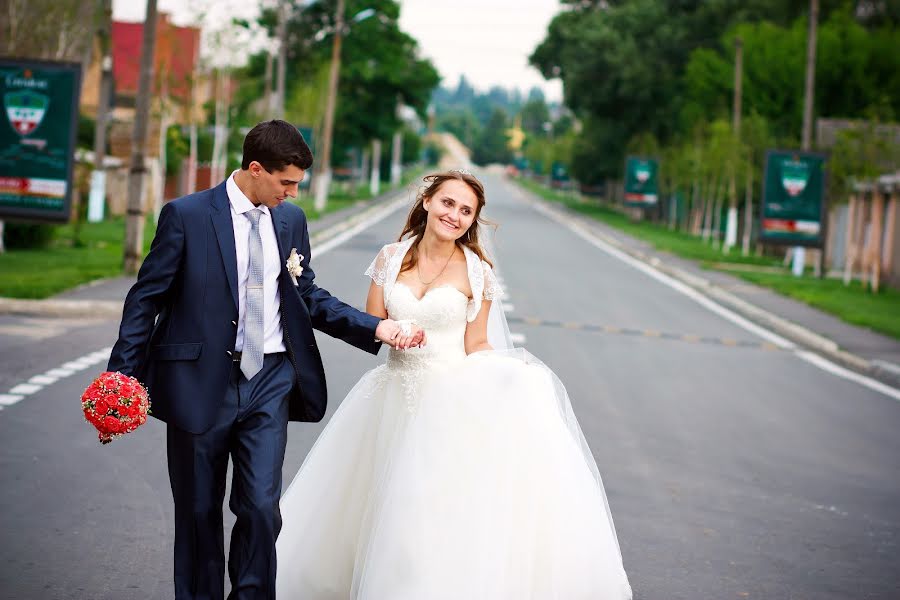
(252, 355)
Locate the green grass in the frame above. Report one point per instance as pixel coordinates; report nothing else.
(39, 273)
(853, 304)
(335, 203)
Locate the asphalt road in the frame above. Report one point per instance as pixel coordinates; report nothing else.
(733, 470)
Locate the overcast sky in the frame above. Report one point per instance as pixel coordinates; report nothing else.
(487, 40)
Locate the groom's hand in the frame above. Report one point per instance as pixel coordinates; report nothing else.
(388, 331)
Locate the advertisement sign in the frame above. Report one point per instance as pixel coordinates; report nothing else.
(37, 138)
(793, 201)
(641, 177)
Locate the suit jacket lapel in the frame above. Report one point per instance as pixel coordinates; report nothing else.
(220, 212)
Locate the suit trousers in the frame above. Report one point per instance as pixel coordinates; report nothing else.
(251, 428)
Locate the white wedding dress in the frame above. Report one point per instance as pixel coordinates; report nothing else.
(444, 476)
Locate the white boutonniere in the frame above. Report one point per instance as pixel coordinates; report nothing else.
(293, 265)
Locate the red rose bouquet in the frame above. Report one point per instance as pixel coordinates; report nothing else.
(115, 404)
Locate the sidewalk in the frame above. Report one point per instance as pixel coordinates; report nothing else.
(104, 297)
(856, 348)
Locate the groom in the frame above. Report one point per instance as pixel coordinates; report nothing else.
(221, 332)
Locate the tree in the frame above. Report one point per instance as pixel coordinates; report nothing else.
(623, 66)
(533, 115)
(855, 70)
(463, 124)
(380, 65)
(48, 29)
(491, 146)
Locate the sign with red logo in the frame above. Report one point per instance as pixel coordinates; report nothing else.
(37, 141)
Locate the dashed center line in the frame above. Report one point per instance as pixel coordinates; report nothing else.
(647, 333)
(37, 382)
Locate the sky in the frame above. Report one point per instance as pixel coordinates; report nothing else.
(487, 40)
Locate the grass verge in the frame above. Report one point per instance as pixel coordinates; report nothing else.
(63, 264)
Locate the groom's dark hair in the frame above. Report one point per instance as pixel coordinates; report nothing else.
(276, 144)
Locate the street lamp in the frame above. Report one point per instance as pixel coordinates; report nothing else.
(322, 179)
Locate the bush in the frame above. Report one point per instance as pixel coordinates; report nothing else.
(27, 235)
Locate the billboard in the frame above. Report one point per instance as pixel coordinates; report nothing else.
(37, 138)
(793, 201)
(641, 181)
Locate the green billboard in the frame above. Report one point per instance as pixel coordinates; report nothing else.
(793, 201)
(641, 177)
(37, 138)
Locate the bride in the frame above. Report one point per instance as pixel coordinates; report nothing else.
(457, 470)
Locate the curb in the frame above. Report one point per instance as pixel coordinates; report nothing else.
(51, 307)
(885, 372)
(112, 309)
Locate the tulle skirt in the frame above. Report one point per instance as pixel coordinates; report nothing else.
(470, 481)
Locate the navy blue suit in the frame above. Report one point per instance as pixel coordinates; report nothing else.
(177, 336)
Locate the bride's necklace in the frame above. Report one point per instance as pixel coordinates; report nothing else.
(419, 269)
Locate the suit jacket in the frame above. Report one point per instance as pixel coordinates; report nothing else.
(179, 321)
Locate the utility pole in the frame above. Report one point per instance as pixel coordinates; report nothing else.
(134, 219)
(98, 177)
(322, 179)
(220, 136)
(738, 84)
(799, 258)
(283, 8)
(732, 223)
(192, 134)
(268, 100)
(810, 74)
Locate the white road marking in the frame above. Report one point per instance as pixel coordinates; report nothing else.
(75, 365)
(59, 373)
(25, 389)
(827, 365)
(331, 244)
(37, 382)
(810, 357)
(518, 339)
(9, 399)
(508, 308)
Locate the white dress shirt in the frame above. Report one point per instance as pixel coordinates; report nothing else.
(240, 204)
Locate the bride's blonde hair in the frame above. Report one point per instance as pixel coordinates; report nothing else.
(418, 216)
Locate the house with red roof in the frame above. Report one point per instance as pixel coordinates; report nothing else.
(179, 88)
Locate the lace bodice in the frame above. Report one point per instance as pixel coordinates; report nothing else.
(444, 311)
(441, 312)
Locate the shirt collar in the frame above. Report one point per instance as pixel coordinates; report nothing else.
(240, 203)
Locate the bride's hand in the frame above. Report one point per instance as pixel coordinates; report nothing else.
(415, 339)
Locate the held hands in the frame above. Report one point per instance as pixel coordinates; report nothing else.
(401, 335)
